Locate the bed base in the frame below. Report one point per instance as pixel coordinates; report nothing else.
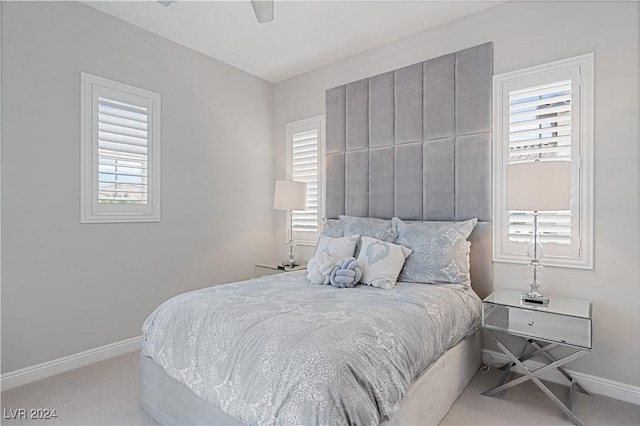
(428, 400)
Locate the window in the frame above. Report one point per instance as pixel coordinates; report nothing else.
(546, 113)
(120, 152)
(305, 161)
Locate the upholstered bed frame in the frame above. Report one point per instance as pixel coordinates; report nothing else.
(412, 143)
(415, 143)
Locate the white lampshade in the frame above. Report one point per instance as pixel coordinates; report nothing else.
(290, 195)
(539, 186)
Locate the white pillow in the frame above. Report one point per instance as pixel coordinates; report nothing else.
(337, 248)
(381, 262)
(319, 268)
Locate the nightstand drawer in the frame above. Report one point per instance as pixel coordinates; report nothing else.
(565, 329)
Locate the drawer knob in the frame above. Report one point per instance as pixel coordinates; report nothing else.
(531, 323)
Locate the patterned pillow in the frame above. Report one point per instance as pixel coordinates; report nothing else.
(337, 248)
(381, 262)
(333, 228)
(440, 251)
(379, 229)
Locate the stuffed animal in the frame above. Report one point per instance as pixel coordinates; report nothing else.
(319, 268)
(346, 274)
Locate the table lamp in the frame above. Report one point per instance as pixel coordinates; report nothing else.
(538, 186)
(290, 195)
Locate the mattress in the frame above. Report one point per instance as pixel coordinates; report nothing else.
(278, 350)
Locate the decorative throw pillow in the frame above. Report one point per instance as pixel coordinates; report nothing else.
(380, 229)
(319, 268)
(337, 248)
(381, 262)
(333, 228)
(440, 251)
(346, 274)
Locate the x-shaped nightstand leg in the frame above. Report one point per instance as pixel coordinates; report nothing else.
(532, 375)
(506, 368)
(574, 384)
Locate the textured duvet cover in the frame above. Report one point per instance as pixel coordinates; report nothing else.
(279, 350)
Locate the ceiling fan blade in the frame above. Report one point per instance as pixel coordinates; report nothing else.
(263, 10)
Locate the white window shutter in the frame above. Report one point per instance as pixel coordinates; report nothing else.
(545, 113)
(305, 151)
(540, 129)
(305, 169)
(120, 152)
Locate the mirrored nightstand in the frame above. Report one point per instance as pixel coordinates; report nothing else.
(563, 322)
(268, 268)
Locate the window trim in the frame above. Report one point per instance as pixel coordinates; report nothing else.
(89, 213)
(313, 123)
(584, 166)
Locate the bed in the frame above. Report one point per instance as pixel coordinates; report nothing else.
(283, 351)
(279, 350)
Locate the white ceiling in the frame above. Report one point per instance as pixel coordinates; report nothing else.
(305, 35)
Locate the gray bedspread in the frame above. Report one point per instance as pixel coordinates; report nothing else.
(278, 350)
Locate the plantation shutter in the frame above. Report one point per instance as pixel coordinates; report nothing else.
(540, 130)
(122, 151)
(305, 169)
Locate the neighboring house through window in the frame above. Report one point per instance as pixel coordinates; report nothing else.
(545, 113)
(305, 163)
(120, 151)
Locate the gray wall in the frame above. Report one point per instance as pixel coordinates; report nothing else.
(68, 287)
(526, 34)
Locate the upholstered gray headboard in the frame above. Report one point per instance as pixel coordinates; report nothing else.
(415, 143)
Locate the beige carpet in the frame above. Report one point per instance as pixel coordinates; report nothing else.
(525, 404)
(107, 393)
(104, 393)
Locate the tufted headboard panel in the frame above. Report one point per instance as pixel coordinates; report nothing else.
(416, 143)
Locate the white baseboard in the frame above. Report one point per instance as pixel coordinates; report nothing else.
(594, 384)
(41, 371)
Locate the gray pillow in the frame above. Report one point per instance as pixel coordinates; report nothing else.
(440, 251)
(332, 228)
(380, 229)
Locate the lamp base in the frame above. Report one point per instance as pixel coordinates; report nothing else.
(289, 264)
(534, 299)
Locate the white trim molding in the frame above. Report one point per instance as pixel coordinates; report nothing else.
(594, 384)
(132, 139)
(41, 371)
(580, 72)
